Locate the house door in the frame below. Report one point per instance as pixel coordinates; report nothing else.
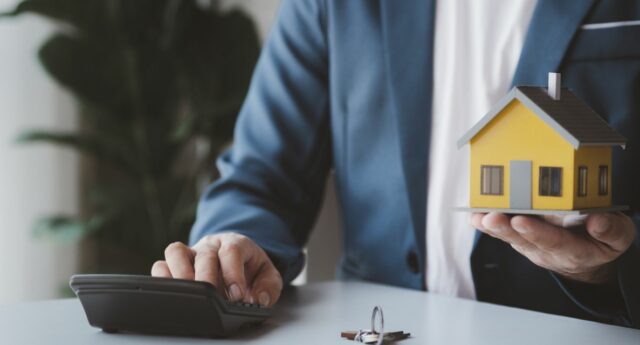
(520, 184)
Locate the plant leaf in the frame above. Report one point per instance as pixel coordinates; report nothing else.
(217, 68)
(91, 72)
(89, 16)
(94, 145)
(241, 52)
(64, 229)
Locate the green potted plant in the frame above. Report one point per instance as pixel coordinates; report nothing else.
(158, 84)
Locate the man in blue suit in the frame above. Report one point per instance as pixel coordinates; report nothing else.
(360, 87)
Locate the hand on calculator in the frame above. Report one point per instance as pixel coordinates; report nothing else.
(231, 262)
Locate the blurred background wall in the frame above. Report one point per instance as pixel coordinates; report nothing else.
(34, 179)
(40, 179)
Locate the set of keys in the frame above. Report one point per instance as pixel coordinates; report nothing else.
(373, 336)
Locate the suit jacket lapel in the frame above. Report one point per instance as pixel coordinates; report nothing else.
(407, 28)
(553, 25)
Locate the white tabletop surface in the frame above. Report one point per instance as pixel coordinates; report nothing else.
(316, 313)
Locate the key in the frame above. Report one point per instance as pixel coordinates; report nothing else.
(369, 337)
(372, 336)
(394, 336)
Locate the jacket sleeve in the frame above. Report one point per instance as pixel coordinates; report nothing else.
(273, 177)
(618, 302)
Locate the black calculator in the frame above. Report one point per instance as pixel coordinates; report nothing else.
(144, 304)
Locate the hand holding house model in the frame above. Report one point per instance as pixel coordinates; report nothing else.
(541, 151)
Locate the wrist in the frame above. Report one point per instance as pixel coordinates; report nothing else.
(600, 275)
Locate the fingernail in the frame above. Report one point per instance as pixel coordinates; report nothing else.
(235, 292)
(264, 298)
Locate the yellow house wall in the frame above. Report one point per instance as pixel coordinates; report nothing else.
(592, 157)
(518, 134)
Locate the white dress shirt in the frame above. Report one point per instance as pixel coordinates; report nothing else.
(476, 50)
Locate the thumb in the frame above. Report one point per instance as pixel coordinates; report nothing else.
(613, 229)
(267, 285)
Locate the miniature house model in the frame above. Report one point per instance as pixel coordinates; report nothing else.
(540, 150)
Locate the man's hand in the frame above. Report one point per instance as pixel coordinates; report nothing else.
(231, 262)
(584, 256)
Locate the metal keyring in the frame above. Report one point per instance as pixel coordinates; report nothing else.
(377, 309)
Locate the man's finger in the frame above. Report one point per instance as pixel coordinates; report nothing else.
(267, 286)
(498, 225)
(544, 235)
(232, 260)
(613, 229)
(476, 220)
(179, 258)
(160, 269)
(206, 266)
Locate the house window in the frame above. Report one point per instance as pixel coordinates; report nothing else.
(603, 180)
(491, 179)
(550, 181)
(582, 181)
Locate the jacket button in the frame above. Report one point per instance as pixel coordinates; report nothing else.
(412, 262)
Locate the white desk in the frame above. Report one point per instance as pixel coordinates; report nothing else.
(316, 313)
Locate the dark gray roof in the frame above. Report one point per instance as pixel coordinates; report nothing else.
(573, 119)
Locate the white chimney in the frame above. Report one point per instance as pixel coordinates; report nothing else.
(554, 85)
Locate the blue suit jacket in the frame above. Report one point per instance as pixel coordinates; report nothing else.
(347, 85)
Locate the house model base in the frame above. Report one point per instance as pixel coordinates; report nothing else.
(614, 208)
